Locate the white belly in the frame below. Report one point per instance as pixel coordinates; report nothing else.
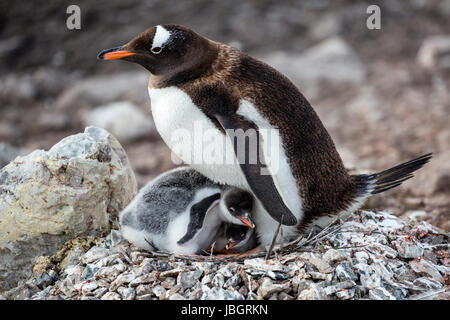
(189, 134)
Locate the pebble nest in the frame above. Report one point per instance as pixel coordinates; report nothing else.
(370, 255)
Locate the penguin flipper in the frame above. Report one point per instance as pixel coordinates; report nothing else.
(262, 185)
(197, 216)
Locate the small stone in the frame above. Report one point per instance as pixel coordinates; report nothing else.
(218, 280)
(94, 254)
(320, 264)
(161, 266)
(313, 292)
(321, 276)
(361, 256)
(425, 267)
(170, 273)
(43, 280)
(264, 265)
(345, 294)
(115, 237)
(188, 279)
(332, 255)
(123, 278)
(111, 296)
(267, 288)
(225, 271)
(110, 273)
(143, 289)
(88, 288)
(220, 294)
(145, 297)
(98, 293)
(344, 272)
(371, 279)
(73, 257)
(428, 283)
(159, 291)
(127, 293)
(380, 294)
(407, 249)
(196, 294)
(206, 267)
(207, 279)
(339, 286)
(285, 296)
(89, 271)
(146, 278)
(168, 283)
(233, 282)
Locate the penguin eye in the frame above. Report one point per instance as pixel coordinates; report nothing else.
(232, 209)
(156, 50)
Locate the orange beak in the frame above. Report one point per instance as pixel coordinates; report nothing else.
(118, 55)
(114, 53)
(231, 245)
(248, 223)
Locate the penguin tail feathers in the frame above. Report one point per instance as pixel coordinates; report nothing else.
(390, 178)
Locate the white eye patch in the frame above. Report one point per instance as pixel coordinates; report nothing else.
(160, 38)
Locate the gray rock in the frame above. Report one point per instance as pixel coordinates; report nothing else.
(339, 287)
(94, 254)
(345, 294)
(43, 280)
(344, 272)
(89, 288)
(75, 187)
(111, 296)
(313, 292)
(188, 279)
(409, 250)
(425, 267)
(218, 280)
(116, 118)
(267, 288)
(176, 296)
(127, 293)
(380, 294)
(89, 271)
(435, 52)
(220, 294)
(332, 59)
(159, 291)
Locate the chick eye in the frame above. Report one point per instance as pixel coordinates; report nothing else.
(232, 209)
(156, 50)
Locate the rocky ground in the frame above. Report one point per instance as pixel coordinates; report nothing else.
(373, 256)
(382, 94)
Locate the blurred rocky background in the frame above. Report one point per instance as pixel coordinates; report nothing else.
(382, 94)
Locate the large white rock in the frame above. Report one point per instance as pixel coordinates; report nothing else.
(123, 119)
(47, 197)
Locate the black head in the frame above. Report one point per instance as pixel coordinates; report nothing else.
(165, 50)
(235, 234)
(239, 205)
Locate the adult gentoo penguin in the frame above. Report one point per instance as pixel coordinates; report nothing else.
(201, 85)
(181, 211)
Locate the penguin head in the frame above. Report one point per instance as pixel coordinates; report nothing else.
(236, 234)
(236, 207)
(164, 50)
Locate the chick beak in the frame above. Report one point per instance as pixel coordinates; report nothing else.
(231, 244)
(114, 53)
(248, 222)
